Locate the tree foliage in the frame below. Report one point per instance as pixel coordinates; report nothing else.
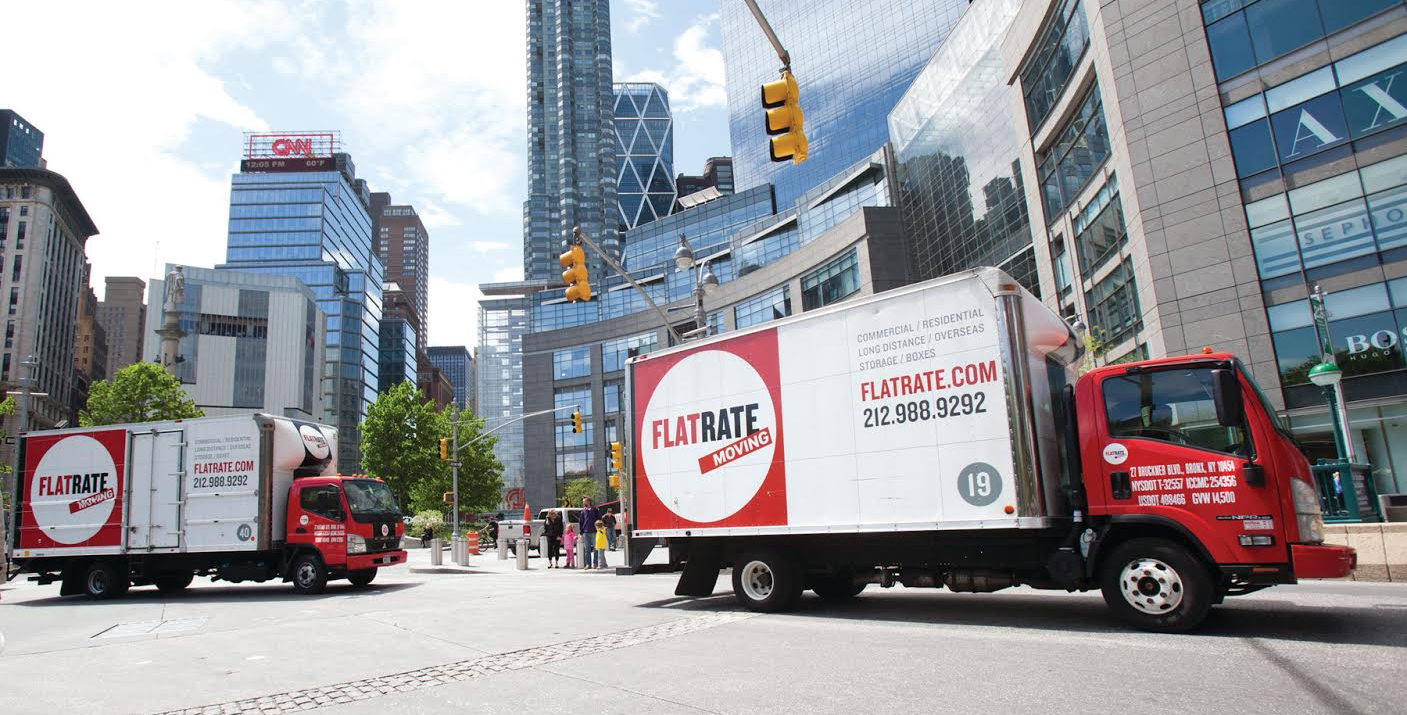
(583, 488)
(401, 444)
(140, 392)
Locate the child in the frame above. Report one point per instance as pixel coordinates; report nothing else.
(569, 543)
(600, 544)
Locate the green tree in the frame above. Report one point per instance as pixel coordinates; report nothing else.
(401, 444)
(7, 407)
(583, 488)
(140, 392)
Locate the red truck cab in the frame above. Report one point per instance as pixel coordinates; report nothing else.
(353, 524)
(1190, 445)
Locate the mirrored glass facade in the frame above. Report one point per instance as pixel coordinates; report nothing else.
(956, 153)
(499, 383)
(571, 152)
(316, 227)
(397, 356)
(458, 365)
(853, 59)
(644, 134)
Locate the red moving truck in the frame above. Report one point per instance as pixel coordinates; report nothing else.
(247, 498)
(941, 435)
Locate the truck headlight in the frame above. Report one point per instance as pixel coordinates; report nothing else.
(356, 544)
(1308, 516)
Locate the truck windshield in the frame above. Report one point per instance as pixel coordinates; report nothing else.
(368, 498)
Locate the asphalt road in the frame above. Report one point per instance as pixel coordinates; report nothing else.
(502, 641)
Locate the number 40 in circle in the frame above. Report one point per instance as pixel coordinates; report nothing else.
(979, 484)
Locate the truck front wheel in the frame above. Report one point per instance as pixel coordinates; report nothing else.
(1157, 585)
(361, 577)
(104, 580)
(766, 580)
(308, 575)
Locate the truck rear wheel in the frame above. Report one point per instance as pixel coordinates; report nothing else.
(361, 577)
(173, 582)
(1157, 585)
(104, 580)
(308, 575)
(766, 580)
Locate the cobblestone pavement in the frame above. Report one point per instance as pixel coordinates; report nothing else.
(363, 689)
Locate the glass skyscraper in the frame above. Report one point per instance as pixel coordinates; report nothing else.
(316, 226)
(458, 365)
(644, 134)
(853, 60)
(571, 152)
(503, 319)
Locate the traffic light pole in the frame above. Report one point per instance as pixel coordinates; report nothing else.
(782, 53)
(454, 465)
(618, 268)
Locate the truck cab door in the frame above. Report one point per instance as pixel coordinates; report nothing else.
(1165, 456)
(318, 516)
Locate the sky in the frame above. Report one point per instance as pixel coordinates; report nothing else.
(144, 104)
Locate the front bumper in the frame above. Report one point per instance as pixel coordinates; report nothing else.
(357, 562)
(1322, 561)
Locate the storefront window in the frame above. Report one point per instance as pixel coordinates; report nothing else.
(1251, 148)
(1378, 435)
(1335, 234)
(1230, 44)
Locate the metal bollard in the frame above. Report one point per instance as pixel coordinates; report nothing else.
(436, 556)
(454, 551)
(581, 552)
(542, 546)
(464, 551)
(522, 547)
(502, 548)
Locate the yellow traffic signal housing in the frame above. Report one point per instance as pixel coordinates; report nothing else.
(444, 448)
(575, 277)
(785, 120)
(449, 497)
(613, 481)
(576, 422)
(617, 459)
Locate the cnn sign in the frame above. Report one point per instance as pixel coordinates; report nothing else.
(288, 145)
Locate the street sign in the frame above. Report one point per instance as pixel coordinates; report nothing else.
(456, 465)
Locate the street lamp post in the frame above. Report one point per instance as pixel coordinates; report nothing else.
(705, 282)
(1329, 378)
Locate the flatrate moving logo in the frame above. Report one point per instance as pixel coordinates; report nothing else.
(73, 490)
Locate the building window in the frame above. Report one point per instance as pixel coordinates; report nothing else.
(1247, 33)
(1365, 332)
(1343, 217)
(1079, 149)
(1061, 260)
(1062, 42)
(831, 283)
(768, 306)
(612, 396)
(1113, 306)
(1099, 229)
(614, 353)
(572, 362)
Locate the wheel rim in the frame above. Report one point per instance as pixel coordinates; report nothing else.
(1151, 586)
(757, 580)
(97, 581)
(307, 574)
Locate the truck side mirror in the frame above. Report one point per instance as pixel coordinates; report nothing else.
(1226, 394)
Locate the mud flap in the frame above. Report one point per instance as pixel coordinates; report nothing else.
(700, 571)
(71, 580)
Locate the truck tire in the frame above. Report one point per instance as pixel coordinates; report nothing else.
(361, 577)
(1157, 585)
(836, 587)
(766, 580)
(308, 574)
(173, 582)
(104, 580)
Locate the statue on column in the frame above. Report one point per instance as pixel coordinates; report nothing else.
(175, 289)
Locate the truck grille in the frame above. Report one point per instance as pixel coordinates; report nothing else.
(390, 544)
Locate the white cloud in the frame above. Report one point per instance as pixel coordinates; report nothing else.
(643, 12)
(696, 80)
(454, 313)
(489, 246)
(506, 274)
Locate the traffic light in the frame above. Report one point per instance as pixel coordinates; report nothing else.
(444, 448)
(576, 422)
(449, 497)
(578, 285)
(613, 481)
(616, 458)
(784, 119)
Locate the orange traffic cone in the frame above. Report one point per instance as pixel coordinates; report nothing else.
(527, 521)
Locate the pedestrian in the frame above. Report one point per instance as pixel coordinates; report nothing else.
(569, 538)
(425, 537)
(589, 516)
(600, 551)
(552, 529)
(492, 529)
(609, 520)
